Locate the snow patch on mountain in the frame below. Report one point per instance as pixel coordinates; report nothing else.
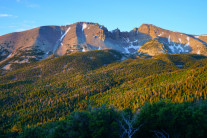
(136, 48)
(188, 38)
(84, 26)
(180, 48)
(198, 52)
(59, 42)
(161, 34)
(126, 40)
(172, 49)
(126, 50)
(186, 45)
(169, 39)
(84, 50)
(177, 49)
(61, 38)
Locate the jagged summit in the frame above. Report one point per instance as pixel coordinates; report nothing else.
(39, 43)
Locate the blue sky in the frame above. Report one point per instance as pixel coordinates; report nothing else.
(188, 16)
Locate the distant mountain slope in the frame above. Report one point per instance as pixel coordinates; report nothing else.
(39, 43)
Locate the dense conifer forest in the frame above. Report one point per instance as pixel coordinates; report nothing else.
(104, 93)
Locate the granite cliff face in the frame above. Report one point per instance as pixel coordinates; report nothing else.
(39, 43)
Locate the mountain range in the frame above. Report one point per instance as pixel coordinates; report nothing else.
(42, 42)
(52, 75)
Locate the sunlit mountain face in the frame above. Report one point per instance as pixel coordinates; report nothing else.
(39, 43)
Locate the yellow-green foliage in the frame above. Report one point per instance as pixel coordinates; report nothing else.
(51, 89)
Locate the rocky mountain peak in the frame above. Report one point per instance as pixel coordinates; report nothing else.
(39, 43)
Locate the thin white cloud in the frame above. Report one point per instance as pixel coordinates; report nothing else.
(33, 5)
(8, 15)
(5, 15)
(21, 29)
(28, 3)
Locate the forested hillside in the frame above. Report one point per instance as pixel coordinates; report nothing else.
(50, 90)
